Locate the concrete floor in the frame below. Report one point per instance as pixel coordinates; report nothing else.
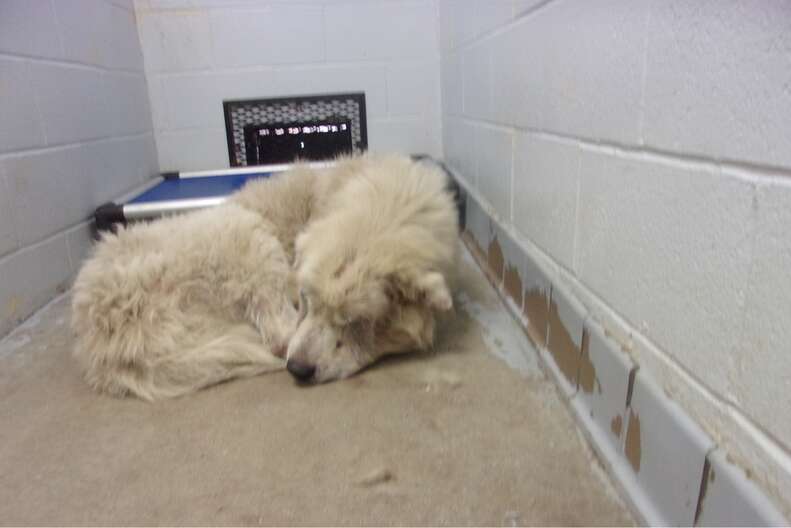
(471, 434)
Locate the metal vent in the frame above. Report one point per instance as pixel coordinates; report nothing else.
(238, 114)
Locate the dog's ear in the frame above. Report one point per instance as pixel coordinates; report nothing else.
(428, 288)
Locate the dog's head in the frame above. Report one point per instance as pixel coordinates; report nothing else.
(358, 305)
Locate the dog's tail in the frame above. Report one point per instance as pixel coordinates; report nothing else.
(237, 352)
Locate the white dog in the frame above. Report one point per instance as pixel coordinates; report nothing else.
(166, 308)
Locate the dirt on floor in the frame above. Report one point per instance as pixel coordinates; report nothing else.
(455, 437)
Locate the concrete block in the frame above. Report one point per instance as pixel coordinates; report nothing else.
(461, 148)
(373, 31)
(175, 41)
(760, 363)
(564, 342)
(30, 28)
(413, 88)
(20, 126)
(546, 187)
(666, 451)
(479, 226)
(452, 101)
(520, 95)
(716, 80)
(157, 101)
(79, 242)
(8, 237)
(603, 382)
(447, 24)
(730, 498)
(278, 34)
(494, 156)
(85, 29)
(31, 277)
(192, 149)
(477, 81)
(123, 40)
(406, 135)
(572, 69)
(522, 7)
(650, 235)
(469, 19)
(49, 192)
(72, 103)
(127, 104)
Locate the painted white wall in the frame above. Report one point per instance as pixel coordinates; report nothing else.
(643, 152)
(200, 52)
(75, 131)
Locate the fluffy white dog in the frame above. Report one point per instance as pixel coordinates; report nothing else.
(166, 308)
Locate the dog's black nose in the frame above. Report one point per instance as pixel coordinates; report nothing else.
(301, 371)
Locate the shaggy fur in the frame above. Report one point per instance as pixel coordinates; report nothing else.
(374, 268)
(166, 308)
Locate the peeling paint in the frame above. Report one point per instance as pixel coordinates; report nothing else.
(562, 347)
(587, 370)
(632, 447)
(536, 309)
(496, 260)
(512, 283)
(616, 426)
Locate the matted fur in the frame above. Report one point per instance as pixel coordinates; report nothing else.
(166, 308)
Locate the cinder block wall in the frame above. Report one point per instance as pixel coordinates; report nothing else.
(75, 130)
(198, 53)
(641, 149)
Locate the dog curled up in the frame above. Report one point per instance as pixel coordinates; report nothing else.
(321, 271)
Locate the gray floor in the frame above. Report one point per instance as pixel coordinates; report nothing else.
(473, 433)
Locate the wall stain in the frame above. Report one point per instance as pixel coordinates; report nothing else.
(512, 283)
(616, 426)
(633, 448)
(587, 370)
(562, 347)
(12, 307)
(537, 312)
(496, 260)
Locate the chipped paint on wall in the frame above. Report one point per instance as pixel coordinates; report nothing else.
(587, 370)
(632, 448)
(616, 426)
(512, 283)
(561, 345)
(495, 260)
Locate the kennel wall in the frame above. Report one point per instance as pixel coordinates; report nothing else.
(640, 152)
(198, 54)
(75, 131)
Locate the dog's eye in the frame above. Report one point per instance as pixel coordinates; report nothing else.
(303, 305)
(338, 344)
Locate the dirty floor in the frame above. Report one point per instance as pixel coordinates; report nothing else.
(472, 434)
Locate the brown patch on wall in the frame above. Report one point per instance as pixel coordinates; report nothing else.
(495, 259)
(632, 447)
(562, 347)
(587, 370)
(473, 246)
(536, 309)
(512, 283)
(616, 426)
